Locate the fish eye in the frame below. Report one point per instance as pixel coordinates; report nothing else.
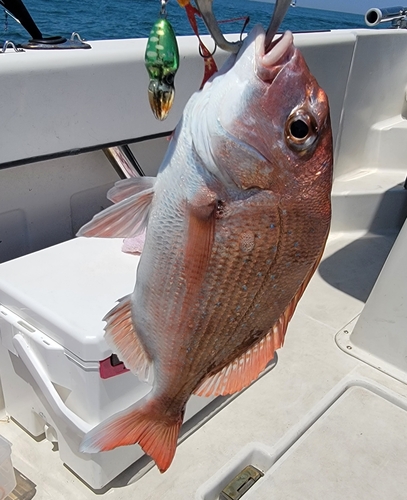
(301, 130)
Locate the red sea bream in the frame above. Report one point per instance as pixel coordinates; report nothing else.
(237, 220)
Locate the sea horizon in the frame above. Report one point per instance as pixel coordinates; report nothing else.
(102, 19)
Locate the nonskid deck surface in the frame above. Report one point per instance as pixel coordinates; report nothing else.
(318, 427)
(356, 449)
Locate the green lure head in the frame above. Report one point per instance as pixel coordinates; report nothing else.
(162, 62)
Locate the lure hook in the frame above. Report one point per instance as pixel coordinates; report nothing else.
(205, 7)
(246, 22)
(209, 54)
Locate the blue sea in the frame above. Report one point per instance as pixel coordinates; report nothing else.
(110, 19)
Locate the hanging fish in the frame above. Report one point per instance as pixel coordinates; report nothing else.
(237, 221)
(162, 62)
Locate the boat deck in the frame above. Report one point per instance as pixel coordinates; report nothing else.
(314, 424)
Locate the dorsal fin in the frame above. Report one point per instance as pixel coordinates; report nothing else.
(242, 371)
(128, 187)
(122, 337)
(125, 219)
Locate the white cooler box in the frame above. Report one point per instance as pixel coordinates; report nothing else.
(57, 372)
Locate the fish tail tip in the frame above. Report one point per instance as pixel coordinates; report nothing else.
(160, 442)
(156, 435)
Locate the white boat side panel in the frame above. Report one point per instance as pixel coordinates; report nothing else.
(68, 100)
(369, 199)
(379, 336)
(375, 92)
(44, 203)
(63, 101)
(150, 154)
(329, 57)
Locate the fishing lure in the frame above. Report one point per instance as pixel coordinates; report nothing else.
(162, 62)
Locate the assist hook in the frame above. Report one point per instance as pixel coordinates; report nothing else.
(205, 8)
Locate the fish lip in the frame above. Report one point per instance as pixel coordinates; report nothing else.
(269, 64)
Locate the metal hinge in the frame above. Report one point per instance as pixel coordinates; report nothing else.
(241, 483)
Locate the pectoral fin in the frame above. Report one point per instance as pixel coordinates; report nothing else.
(201, 213)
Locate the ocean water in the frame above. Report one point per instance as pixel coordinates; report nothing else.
(110, 19)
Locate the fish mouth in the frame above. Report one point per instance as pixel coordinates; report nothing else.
(270, 63)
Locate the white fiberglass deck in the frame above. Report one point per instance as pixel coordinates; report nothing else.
(310, 375)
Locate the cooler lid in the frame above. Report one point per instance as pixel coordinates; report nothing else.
(67, 289)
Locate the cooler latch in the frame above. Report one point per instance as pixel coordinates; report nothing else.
(111, 366)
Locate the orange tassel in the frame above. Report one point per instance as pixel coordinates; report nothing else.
(210, 65)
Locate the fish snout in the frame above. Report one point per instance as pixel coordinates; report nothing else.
(270, 63)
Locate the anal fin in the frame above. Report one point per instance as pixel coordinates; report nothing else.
(122, 337)
(242, 371)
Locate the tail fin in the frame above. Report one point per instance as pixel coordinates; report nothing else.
(143, 423)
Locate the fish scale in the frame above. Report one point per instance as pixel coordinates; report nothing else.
(237, 222)
(263, 289)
